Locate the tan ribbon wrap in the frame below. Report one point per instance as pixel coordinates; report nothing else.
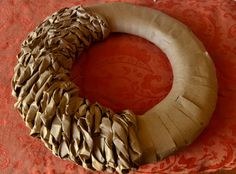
(90, 134)
(183, 114)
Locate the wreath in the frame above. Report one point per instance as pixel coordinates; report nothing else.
(90, 134)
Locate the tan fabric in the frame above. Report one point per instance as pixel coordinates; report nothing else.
(178, 119)
(71, 127)
(90, 134)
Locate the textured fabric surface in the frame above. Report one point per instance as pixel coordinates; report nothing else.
(144, 73)
(48, 101)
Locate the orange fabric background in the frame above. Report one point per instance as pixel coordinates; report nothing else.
(124, 72)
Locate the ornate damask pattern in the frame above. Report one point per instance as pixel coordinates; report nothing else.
(144, 73)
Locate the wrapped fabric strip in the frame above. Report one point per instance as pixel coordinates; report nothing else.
(88, 134)
(183, 114)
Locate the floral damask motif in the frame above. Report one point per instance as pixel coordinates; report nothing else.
(232, 31)
(228, 7)
(168, 4)
(213, 159)
(160, 167)
(4, 158)
(37, 151)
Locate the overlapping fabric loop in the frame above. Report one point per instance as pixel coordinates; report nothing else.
(70, 126)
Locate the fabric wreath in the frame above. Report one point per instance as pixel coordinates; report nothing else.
(90, 134)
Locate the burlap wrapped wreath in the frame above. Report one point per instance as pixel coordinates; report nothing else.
(90, 134)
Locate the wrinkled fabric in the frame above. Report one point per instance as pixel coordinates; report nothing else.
(71, 127)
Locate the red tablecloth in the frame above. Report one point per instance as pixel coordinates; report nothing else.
(124, 72)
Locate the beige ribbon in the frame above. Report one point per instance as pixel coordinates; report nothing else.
(183, 114)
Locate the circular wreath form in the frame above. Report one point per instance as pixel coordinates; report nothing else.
(90, 134)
